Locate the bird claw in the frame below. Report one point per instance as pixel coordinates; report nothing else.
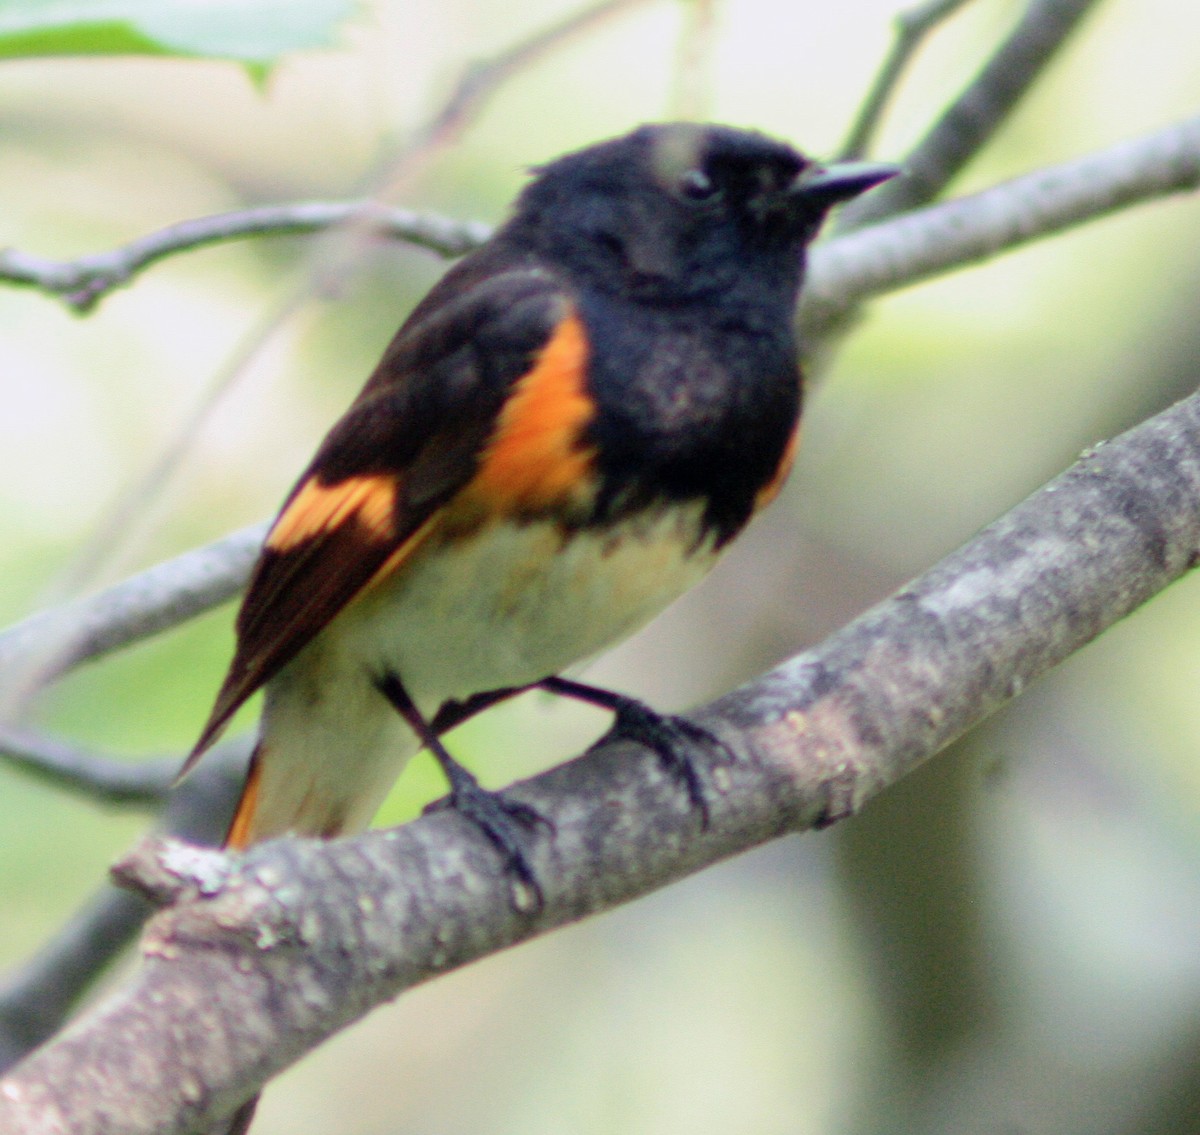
(668, 735)
(508, 826)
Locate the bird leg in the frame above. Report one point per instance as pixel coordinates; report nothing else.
(506, 823)
(667, 734)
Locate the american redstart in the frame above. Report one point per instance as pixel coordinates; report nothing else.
(561, 439)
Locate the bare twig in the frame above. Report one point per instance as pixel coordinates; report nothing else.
(100, 778)
(36, 999)
(976, 114)
(480, 80)
(52, 642)
(262, 957)
(1027, 208)
(912, 26)
(692, 94)
(843, 272)
(84, 281)
(871, 261)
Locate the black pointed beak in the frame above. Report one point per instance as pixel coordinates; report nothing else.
(823, 187)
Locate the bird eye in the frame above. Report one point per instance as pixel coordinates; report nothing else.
(696, 185)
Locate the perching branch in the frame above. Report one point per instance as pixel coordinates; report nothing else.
(260, 958)
(912, 28)
(971, 120)
(36, 999)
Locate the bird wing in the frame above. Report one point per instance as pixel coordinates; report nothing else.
(482, 391)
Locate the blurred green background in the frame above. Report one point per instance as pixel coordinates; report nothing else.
(1007, 942)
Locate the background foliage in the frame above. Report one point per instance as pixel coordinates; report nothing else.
(1004, 942)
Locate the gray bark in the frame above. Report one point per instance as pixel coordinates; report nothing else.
(258, 959)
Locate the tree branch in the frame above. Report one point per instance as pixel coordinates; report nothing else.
(37, 998)
(84, 281)
(930, 241)
(936, 239)
(100, 778)
(260, 958)
(972, 119)
(912, 27)
(47, 644)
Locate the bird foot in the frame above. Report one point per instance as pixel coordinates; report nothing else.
(669, 735)
(508, 824)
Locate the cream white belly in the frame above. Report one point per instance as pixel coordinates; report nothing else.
(505, 607)
(510, 604)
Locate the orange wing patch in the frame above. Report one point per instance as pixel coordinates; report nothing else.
(318, 508)
(534, 460)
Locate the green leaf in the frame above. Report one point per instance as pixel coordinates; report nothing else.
(256, 31)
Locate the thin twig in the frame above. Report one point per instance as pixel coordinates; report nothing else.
(261, 957)
(939, 238)
(101, 778)
(912, 26)
(47, 644)
(477, 84)
(36, 999)
(84, 281)
(971, 120)
(480, 80)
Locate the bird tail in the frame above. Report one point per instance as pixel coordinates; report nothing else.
(238, 837)
(326, 758)
(331, 747)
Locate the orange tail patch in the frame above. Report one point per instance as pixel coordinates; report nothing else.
(238, 836)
